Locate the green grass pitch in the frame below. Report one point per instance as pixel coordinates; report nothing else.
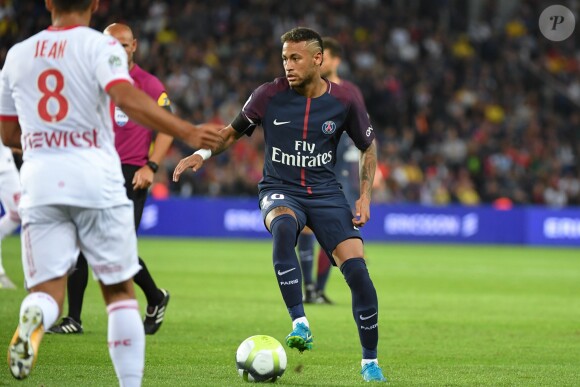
(449, 316)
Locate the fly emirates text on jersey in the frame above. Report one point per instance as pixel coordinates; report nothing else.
(299, 159)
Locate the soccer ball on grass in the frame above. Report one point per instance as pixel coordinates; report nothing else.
(261, 358)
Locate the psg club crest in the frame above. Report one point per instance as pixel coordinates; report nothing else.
(121, 118)
(328, 127)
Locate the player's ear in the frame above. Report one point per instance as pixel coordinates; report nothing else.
(48, 5)
(95, 6)
(318, 58)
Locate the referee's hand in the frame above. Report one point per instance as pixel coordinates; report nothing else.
(143, 178)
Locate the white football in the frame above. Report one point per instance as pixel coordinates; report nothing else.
(261, 358)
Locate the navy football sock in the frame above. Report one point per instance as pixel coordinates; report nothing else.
(286, 266)
(323, 270)
(365, 306)
(306, 253)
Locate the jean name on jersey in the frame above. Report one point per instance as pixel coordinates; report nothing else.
(299, 159)
(48, 49)
(61, 139)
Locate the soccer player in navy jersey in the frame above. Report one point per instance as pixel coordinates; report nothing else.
(346, 169)
(303, 117)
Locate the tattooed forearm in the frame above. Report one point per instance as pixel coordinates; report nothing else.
(368, 166)
(229, 136)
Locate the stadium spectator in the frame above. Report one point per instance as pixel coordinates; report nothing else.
(72, 186)
(140, 159)
(303, 117)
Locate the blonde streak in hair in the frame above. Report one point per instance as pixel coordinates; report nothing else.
(314, 42)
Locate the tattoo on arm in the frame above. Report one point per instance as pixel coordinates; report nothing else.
(368, 166)
(229, 136)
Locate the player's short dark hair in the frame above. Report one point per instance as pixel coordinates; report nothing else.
(302, 34)
(331, 45)
(71, 5)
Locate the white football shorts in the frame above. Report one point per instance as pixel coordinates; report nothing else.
(53, 235)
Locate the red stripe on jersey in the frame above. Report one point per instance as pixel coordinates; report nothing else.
(304, 136)
(8, 118)
(113, 83)
(53, 28)
(306, 114)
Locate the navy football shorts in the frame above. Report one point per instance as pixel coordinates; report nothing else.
(328, 215)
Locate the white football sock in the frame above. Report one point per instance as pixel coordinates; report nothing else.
(302, 320)
(46, 303)
(126, 342)
(364, 362)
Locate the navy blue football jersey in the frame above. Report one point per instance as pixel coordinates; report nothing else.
(302, 134)
(348, 156)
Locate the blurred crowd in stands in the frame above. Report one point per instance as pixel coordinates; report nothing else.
(470, 103)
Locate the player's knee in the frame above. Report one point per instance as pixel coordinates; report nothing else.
(347, 249)
(284, 227)
(284, 232)
(355, 272)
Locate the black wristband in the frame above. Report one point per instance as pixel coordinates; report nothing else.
(153, 165)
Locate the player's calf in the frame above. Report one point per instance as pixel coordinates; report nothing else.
(286, 266)
(364, 305)
(126, 340)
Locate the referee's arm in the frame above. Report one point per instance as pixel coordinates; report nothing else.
(162, 141)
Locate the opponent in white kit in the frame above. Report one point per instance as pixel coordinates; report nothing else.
(54, 96)
(9, 197)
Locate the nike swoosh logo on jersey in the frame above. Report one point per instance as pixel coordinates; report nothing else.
(367, 317)
(276, 122)
(285, 271)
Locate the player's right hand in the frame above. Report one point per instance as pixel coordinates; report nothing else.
(194, 162)
(203, 136)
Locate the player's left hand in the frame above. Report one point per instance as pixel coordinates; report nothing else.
(193, 161)
(362, 211)
(143, 178)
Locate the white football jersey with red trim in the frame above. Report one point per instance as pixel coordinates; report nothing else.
(54, 83)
